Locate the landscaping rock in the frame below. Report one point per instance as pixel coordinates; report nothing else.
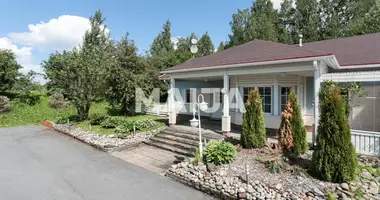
(102, 142)
(345, 186)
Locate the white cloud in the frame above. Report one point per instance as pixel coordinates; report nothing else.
(23, 55)
(62, 33)
(277, 3)
(175, 41)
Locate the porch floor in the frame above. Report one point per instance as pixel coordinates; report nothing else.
(213, 128)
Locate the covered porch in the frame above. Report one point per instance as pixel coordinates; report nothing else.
(226, 90)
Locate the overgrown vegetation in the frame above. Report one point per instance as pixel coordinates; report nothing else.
(219, 153)
(334, 158)
(253, 132)
(292, 135)
(57, 101)
(5, 104)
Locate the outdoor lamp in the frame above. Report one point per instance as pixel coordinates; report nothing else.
(203, 106)
(194, 123)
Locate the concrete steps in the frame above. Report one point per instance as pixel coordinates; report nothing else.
(180, 141)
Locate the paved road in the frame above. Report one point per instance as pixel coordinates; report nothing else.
(40, 164)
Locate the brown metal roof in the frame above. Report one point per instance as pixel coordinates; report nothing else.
(357, 50)
(251, 52)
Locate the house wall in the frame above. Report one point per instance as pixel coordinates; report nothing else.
(195, 88)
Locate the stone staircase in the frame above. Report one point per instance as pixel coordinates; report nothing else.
(180, 141)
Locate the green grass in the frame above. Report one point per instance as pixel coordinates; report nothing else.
(23, 114)
(98, 129)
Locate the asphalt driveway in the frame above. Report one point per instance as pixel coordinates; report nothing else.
(40, 164)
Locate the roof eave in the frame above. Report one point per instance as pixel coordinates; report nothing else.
(284, 61)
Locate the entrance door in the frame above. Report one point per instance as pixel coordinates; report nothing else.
(218, 99)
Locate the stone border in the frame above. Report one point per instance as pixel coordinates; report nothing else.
(97, 146)
(198, 186)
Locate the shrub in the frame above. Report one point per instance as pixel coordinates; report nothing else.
(145, 124)
(274, 167)
(62, 120)
(111, 122)
(197, 157)
(97, 118)
(253, 133)
(5, 104)
(125, 127)
(57, 100)
(292, 137)
(334, 158)
(219, 153)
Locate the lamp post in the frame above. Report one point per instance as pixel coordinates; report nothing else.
(197, 122)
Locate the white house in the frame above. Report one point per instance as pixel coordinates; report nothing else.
(274, 69)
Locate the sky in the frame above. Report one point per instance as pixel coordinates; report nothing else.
(35, 28)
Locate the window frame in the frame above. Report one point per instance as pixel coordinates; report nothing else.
(256, 87)
(188, 98)
(292, 87)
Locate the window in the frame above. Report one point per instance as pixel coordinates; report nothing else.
(246, 93)
(285, 91)
(188, 95)
(265, 94)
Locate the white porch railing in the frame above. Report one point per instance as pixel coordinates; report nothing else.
(160, 109)
(366, 142)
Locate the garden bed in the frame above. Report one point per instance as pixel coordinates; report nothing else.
(288, 181)
(105, 142)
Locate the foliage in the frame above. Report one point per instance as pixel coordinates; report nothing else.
(57, 100)
(197, 157)
(24, 114)
(144, 124)
(205, 45)
(112, 122)
(5, 104)
(97, 118)
(80, 72)
(219, 153)
(125, 127)
(62, 120)
(274, 167)
(285, 139)
(330, 196)
(162, 44)
(315, 20)
(300, 145)
(8, 70)
(334, 158)
(254, 132)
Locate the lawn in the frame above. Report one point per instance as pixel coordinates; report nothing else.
(23, 114)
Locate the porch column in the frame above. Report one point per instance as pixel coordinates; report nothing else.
(317, 85)
(226, 119)
(172, 112)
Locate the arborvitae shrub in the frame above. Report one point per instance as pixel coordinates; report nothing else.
(334, 158)
(285, 137)
(298, 128)
(253, 133)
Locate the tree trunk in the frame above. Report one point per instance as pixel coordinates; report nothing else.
(83, 111)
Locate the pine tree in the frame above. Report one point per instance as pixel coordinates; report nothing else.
(286, 22)
(263, 22)
(307, 20)
(205, 45)
(253, 133)
(334, 158)
(221, 47)
(162, 43)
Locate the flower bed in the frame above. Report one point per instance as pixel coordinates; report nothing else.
(104, 142)
(291, 181)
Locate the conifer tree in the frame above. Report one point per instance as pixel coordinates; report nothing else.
(253, 133)
(334, 158)
(285, 137)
